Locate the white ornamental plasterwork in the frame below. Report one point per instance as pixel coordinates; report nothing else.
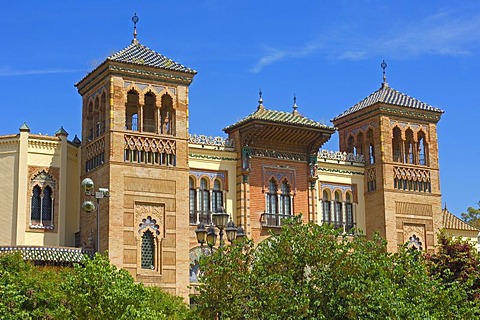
(411, 174)
(149, 144)
(150, 215)
(340, 156)
(210, 141)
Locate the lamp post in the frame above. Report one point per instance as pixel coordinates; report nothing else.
(88, 206)
(220, 220)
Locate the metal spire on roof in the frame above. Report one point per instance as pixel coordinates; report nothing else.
(384, 66)
(295, 104)
(260, 100)
(135, 20)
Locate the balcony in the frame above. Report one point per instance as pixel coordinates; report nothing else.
(197, 216)
(273, 220)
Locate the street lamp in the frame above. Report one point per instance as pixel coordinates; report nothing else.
(219, 220)
(88, 205)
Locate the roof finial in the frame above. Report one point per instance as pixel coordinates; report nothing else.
(384, 66)
(260, 100)
(135, 20)
(295, 104)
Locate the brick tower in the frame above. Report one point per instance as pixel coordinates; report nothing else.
(135, 143)
(397, 135)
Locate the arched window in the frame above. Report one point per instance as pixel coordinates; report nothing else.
(103, 113)
(285, 203)
(149, 113)
(217, 195)
(422, 149)
(272, 197)
(36, 207)
(348, 213)
(350, 146)
(338, 210)
(167, 116)
(409, 150)
(359, 146)
(397, 145)
(371, 148)
(148, 250)
(96, 117)
(89, 133)
(131, 112)
(326, 207)
(204, 195)
(47, 206)
(192, 201)
(42, 201)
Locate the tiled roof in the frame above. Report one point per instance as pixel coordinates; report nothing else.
(48, 254)
(391, 96)
(450, 221)
(137, 53)
(293, 118)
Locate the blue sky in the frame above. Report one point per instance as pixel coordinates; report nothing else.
(327, 53)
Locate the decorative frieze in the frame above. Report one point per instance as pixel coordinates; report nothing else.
(149, 144)
(340, 156)
(210, 141)
(279, 155)
(209, 157)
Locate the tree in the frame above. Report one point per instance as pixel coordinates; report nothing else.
(456, 261)
(472, 216)
(309, 271)
(94, 290)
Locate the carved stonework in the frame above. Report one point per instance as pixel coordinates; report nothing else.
(151, 215)
(139, 143)
(280, 174)
(414, 235)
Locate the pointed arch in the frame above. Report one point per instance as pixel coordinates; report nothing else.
(397, 153)
(348, 212)
(350, 144)
(338, 216)
(103, 113)
(132, 110)
(359, 144)
(422, 149)
(96, 117)
(371, 146)
(192, 200)
(285, 198)
(409, 147)
(167, 115)
(149, 111)
(217, 196)
(326, 207)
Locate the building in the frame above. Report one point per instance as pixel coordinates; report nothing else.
(163, 181)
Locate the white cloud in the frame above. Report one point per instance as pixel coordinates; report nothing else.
(6, 72)
(438, 34)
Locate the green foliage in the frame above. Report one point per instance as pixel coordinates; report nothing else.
(456, 262)
(95, 290)
(314, 272)
(472, 216)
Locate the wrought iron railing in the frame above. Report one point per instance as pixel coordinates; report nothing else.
(273, 220)
(197, 216)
